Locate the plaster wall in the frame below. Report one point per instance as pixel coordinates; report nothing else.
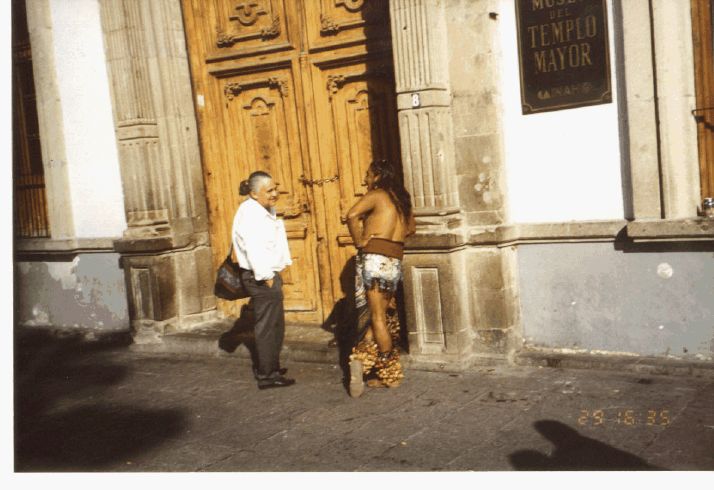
(475, 55)
(563, 165)
(86, 293)
(593, 297)
(95, 193)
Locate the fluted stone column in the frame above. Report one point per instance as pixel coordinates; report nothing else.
(437, 303)
(165, 252)
(424, 104)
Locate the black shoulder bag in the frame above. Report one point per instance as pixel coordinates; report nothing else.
(228, 282)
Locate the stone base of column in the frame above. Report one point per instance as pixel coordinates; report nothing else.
(493, 293)
(461, 301)
(168, 291)
(439, 321)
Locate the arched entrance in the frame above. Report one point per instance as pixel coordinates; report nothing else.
(305, 90)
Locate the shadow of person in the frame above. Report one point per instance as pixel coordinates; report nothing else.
(342, 320)
(575, 452)
(63, 418)
(241, 333)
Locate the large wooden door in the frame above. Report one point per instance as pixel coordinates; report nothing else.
(703, 34)
(304, 90)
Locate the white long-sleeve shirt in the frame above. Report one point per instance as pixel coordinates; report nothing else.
(259, 240)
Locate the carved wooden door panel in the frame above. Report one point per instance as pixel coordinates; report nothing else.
(302, 89)
(355, 110)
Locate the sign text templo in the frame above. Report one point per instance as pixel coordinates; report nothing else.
(564, 55)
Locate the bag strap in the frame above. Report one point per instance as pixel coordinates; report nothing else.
(230, 252)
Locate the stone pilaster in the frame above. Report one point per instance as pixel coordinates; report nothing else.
(51, 124)
(674, 59)
(461, 294)
(165, 250)
(437, 305)
(424, 104)
(656, 87)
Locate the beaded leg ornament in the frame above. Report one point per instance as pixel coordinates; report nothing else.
(389, 369)
(366, 352)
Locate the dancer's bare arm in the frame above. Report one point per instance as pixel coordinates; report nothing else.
(355, 217)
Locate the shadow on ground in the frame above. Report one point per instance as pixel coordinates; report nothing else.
(242, 332)
(575, 452)
(63, 421)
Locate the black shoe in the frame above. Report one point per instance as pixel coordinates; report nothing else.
(279, 382)
(281, 372)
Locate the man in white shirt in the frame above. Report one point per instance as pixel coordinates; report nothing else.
(261, 246)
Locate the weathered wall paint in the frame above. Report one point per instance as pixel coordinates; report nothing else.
(87, 293)
(563, 165)
(593, 297)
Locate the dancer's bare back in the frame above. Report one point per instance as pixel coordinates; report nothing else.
(381, 219)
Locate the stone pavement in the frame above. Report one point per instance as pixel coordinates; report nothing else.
(102, 407)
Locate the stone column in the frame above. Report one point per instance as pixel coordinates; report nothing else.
(437, 304)
(424, 105)
(165, 251)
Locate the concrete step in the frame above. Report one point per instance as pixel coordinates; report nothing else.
(302, 343)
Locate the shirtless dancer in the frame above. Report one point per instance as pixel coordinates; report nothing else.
(378, 223)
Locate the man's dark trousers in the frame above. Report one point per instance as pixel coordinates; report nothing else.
(269, 322)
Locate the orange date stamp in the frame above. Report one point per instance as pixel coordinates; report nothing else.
(625, 417)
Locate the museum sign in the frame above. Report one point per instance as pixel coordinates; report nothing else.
(564, 55)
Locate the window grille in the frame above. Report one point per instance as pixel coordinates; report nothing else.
(29, 200)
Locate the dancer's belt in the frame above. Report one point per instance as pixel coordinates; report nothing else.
(385, 247)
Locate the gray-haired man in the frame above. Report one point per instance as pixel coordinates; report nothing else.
(261, 246)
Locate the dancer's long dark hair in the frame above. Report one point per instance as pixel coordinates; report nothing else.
(390, 180)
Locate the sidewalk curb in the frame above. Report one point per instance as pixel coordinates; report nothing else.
(637, 364)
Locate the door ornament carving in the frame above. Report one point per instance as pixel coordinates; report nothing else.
(247, 14)
(336, 82)
(232, 89)
(351, 5)
(329, 26)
